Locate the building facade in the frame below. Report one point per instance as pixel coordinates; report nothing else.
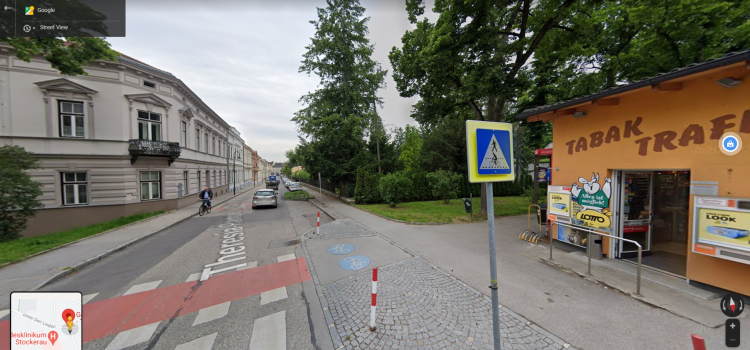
(661, 163)
(247, 166)
(235, 161)
(126, 139)
(256, 167)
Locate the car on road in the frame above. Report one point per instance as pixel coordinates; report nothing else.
(264, 198)
(287, 183)
(272, 185)
(295, 186)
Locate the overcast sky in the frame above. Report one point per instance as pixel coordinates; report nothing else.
(242, 58)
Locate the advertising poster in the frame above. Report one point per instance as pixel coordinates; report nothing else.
(590, 202)
(724, 228)
(541, 174)
(559, 203)
(572, 236)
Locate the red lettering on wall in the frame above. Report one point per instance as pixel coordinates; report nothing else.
(720, 126)
(643, 145)
(745, 125)
(613, 134)
(631, 127)
(581, 145)
(570, 146)
(597, 139)
(693, 132)
(664, 140)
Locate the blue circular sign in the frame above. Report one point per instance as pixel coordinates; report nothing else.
(730, 143)
(353, 263)
(341, 249)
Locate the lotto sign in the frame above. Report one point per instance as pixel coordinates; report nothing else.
(489, 150)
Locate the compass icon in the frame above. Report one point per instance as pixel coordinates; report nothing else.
(732, 305)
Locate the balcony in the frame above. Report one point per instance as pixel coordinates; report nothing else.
(153, 149)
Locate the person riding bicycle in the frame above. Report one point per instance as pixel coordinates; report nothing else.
(206, 195)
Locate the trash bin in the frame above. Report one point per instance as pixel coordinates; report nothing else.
(541, 213)
(596, 246)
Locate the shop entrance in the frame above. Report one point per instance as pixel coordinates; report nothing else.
(653, 211)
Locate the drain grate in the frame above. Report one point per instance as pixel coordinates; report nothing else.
(283, 243)
(292, 242)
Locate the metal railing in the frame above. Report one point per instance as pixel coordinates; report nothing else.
(588, 249)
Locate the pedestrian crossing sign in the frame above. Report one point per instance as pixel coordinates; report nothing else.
(489, 151)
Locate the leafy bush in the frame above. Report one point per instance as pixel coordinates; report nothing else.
(394, 188)
(298, 195)
(18, 201)
(444, 185)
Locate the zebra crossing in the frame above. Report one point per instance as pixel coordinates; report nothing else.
(269, 332)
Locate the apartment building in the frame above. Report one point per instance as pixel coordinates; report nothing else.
(247, 165)
(127, 138)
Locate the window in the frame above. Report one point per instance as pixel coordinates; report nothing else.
(149, 126)
(150, 185)
(74, 188)
(199, 180)
(214, 179)
(71, 119)
(213, 145)
(206, 149)
(208, 179)
(197, 139)
(185, 183)
(149, 84)
(183, 138)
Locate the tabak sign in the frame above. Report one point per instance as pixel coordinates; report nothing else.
(693, 134)
(594, 201)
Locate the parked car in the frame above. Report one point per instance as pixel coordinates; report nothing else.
(287, 183)
(295, 186)
(272, 185)
(265, 198)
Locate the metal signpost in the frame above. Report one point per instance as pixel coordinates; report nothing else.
(489, 150)
(320, 187)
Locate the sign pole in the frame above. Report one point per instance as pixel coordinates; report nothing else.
(493, 267)
(320, 187)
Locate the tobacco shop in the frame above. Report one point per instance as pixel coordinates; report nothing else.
(659, 162)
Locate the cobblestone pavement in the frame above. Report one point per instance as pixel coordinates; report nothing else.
(343, 228)
(422, 307)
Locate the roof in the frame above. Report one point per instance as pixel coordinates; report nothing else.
(278, 165)
(728, 59)
(142, 64)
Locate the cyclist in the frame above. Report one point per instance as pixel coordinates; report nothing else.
(206, 195)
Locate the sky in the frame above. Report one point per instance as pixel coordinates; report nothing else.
(242, 58)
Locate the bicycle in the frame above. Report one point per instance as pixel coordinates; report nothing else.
(204, 209)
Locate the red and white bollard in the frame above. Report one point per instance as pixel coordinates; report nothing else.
(318, 223)
(698, 342)
(374, 297)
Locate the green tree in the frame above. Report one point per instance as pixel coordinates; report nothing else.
(475, 56)
(444, 185)
(411, 149)
(339, 112)
(394, 188)
(18, 193)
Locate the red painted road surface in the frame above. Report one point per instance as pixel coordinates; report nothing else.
(112, 316)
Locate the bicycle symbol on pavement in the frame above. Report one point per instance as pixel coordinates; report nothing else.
(341, 249)
(354, 262)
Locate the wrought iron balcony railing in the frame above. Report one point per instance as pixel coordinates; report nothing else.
(153, 149)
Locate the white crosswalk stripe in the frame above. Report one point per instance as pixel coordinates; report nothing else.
(286, 257)
(193, 277)
(248, 266)
(138, 288)
(202, 343)
(132, 337)
(269, 333)
(273, 295)
(88, 297)
(211, 313)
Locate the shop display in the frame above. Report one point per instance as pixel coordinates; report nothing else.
(721, 227)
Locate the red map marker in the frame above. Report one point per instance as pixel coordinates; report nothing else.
(68, 312)
(52, 336)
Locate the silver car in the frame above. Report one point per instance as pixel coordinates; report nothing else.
(264, 198)
(295, 186)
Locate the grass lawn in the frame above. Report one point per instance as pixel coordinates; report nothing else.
(20, 248)
(298, 195)
(454, 212)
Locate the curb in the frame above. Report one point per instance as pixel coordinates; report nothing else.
(321, 208)
(401, 221)
(88, 262)
(84, 238)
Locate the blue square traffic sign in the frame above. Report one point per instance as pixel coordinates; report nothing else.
(494, 152)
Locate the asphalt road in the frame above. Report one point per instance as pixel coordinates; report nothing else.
(179, 255)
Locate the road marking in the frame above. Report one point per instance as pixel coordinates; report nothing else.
(112, 316)
(269, 333)
(3, 313)
(250, 265)
(133, 337)
(286, 257)
(88, 297)
(202, 343)
(193, 277)
(273, 295)
(211, 313)
(138, 288)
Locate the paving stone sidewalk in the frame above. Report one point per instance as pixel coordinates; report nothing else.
(419, 307)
